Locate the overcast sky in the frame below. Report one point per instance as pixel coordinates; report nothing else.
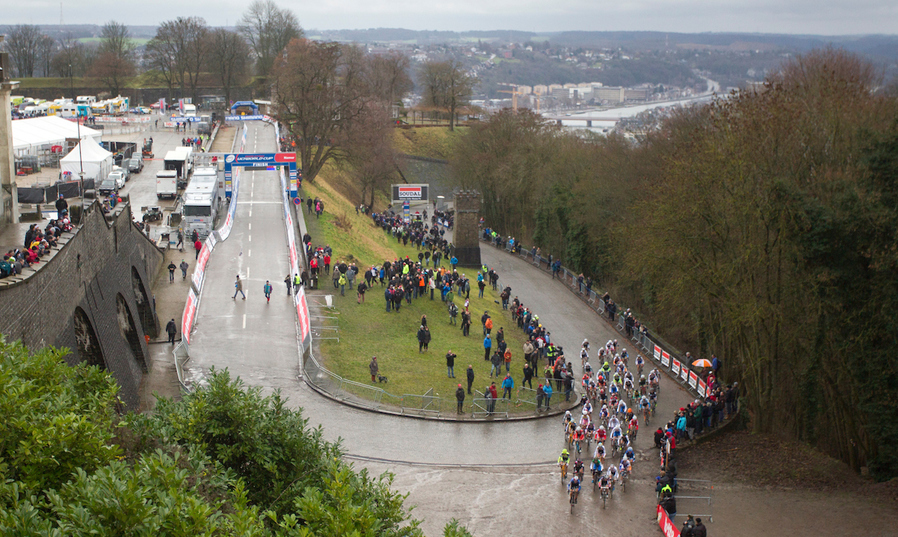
(827, 17)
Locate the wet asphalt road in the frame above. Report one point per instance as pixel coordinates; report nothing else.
(449, 469)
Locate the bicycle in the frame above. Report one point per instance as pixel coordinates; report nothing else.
(574, 494)
(563, 472)
(645, 412)
(605, 494)
(624, 476)
(633, 431)
(654, 407)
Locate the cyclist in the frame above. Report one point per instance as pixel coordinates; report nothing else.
(585, 421)
(585, 345)
(605, 484)
(629, 455)
(612, 475)
(579, 437)
(640, 363)
(613, 423)
(642, 384)
(628, 387)
(616, 435)
(578, 468)
(606, 370)
(645, 406)
(567, 419)
(600, 452)
(573, 488)
(587, 368)
(622, 407)
(634, 426)
(584, 356)
(563, 460)
(601, 435)
(625, 356)
(590, 430)
(596, 468)
(587, 408)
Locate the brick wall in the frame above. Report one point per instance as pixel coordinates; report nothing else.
(104, 258)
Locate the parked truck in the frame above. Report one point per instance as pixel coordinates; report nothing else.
(167, 184)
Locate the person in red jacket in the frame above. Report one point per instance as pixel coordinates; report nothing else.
(199, 246)
(327, 263)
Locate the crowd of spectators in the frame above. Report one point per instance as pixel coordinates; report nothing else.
(37, 244)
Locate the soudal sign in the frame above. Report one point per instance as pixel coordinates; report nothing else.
(410, 192)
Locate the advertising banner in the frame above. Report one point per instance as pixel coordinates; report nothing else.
(302, 315)
(666, 525)
(684, 374)
(258, 117)
(693, 379)
(657, 352)
(665, 358)
(675, 367)
(189, 314)
(410, 192)
(199, 270)
(702, 388)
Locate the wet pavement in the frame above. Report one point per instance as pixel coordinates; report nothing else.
(449, 469)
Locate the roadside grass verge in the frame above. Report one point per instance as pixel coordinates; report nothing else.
(367, 330)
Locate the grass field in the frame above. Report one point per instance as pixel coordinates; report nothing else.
(367, 330)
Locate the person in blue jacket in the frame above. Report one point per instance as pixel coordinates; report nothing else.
(507, 385)
(547, 393)
(487, 345)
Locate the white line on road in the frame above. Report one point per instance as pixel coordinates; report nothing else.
(249, 253)
(244, 320)
(249, 238)
(250, 226)
(247, 273)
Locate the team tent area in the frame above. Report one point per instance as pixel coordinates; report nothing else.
(30, 136)
(97, 161)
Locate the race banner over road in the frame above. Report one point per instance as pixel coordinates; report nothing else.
(418, 192)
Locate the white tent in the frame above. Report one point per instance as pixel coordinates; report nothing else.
(30, 135)
(97, 161)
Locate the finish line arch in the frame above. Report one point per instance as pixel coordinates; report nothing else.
(262, 161)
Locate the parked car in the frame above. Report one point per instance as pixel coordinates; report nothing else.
(123, 170)
(108, 186)
(135, 165)
(119, 179)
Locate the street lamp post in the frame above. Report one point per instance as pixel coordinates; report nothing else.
(78, 123)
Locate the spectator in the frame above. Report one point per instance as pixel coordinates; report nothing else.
(507, 386)
(373, 368)
(460, 397)
(450, 364)
(172, 329)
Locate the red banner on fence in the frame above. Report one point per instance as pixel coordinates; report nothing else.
(666, 525)
(675, 367)
(665, 358)
(657, 352)
(684, 374)
(693, 379)
(187, 318)
(302, 313)
(702, 387)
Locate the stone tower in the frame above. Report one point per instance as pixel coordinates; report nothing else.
(467, 228)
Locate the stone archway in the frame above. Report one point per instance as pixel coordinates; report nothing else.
(129, 331)
(144, 305)
(89, 350)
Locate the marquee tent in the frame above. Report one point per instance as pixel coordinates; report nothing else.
(30, 135)
(97, 161)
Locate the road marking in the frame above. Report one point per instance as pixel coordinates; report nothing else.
(249, 253)
(249, 238)
(250, 226)
(247, 273)
(244, 320)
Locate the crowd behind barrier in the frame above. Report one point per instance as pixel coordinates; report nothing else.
(675, 365)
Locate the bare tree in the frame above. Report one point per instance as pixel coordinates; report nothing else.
(446, 85)
(112, 70)
(370, 151)
(388, 77)
(178, 52)
(71, 58)
(228, 59)
(116, 39)
(268, 29)
(319, 93)
(23, 43)
(45, 48)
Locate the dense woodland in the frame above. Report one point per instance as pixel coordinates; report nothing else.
(761, 229)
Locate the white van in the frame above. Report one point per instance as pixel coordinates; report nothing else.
(189, 110)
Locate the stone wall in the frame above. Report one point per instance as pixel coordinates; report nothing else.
(467, 228)
(93, 297)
